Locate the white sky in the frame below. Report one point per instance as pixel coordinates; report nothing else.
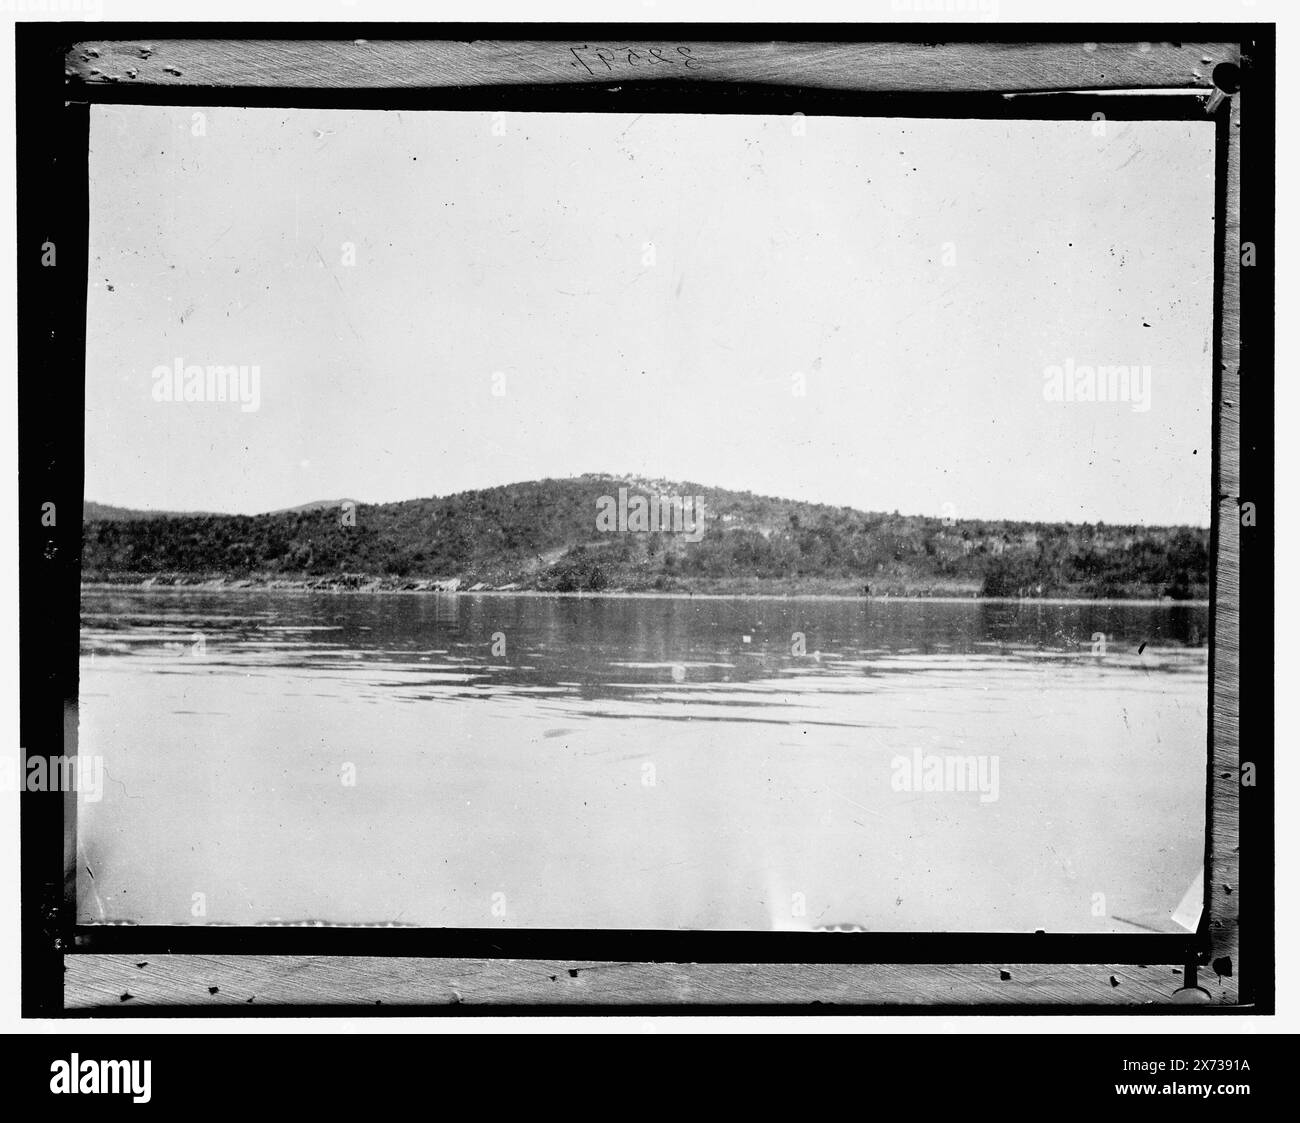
(921, 275)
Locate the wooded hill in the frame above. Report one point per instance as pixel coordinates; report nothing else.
(544, 535)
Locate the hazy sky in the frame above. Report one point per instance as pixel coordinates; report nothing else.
(538, 294)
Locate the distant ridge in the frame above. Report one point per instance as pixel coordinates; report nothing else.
(545, 535)
(318, 505)
(103, 511)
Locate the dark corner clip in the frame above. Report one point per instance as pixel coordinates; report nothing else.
(1227, 81)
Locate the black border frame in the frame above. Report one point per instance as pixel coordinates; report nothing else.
(53, 198)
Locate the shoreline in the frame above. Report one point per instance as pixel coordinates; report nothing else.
(217, 586)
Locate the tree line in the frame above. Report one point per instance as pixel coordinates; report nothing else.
(543, 535)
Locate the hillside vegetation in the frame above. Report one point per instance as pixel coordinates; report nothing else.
(543, 535)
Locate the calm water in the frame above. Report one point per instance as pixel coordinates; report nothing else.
(481, 760)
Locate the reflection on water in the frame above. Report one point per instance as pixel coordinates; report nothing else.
(596, 647)
(470, 760)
